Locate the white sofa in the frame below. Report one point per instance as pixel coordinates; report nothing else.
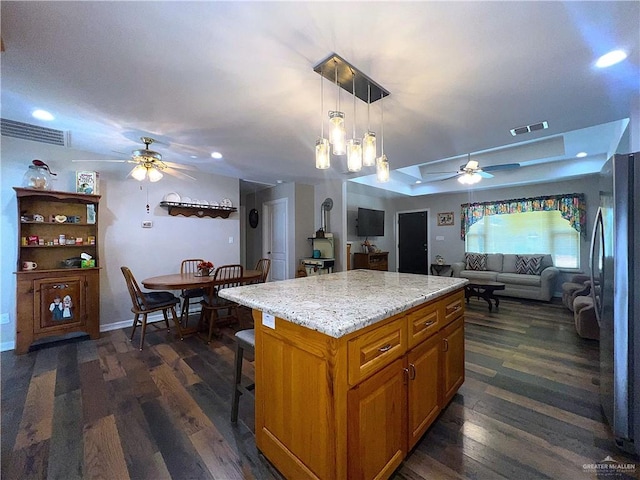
(502, 268)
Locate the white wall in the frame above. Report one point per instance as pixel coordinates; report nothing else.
(147, 252)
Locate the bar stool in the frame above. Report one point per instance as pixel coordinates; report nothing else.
(245, 340)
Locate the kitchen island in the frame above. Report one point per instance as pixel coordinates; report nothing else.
(352, 368)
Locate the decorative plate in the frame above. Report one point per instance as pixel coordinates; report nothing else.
(253, 218)
(226, 203)
(214, 204)
(172, 197)
(187, 200)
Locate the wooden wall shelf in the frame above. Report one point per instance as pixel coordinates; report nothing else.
(191, 210)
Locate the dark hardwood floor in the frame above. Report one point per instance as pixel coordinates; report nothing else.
(102, 409)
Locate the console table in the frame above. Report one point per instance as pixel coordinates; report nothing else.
(371, 261)
(437, 269)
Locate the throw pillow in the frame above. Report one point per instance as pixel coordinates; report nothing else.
(528, 265)
(476, 261)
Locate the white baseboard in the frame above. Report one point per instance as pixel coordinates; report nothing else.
(4, 346)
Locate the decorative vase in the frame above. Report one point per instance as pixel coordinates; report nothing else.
(37, 177)
(204, 272)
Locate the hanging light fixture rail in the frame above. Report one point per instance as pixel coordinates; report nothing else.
(347, 76)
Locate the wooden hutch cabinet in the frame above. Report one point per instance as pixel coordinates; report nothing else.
(57, 293)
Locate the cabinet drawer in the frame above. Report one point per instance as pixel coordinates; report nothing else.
(453, 307)
(375, 349)
(423, 323)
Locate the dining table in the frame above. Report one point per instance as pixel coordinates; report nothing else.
(186, 281)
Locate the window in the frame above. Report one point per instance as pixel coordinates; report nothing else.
(527, 233)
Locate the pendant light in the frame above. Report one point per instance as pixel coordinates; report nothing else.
(382, 164)
(369, 151)
(323, 158)
(337, 135)
(354, 145)
(154, 174)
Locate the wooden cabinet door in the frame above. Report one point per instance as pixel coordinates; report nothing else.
(423, 387)
(377, 422)
(59, 303)
(452, 359)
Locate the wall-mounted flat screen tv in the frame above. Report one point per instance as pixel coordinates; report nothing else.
(370, 222)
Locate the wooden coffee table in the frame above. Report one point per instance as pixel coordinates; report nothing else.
(484, 290)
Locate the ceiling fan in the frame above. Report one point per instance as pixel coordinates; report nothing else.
(149, 164)
(471, 172)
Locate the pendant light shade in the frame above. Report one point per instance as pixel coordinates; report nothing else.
(369, 149)
(323, 155)
(139, 173)
(382, 164)
(154, 174)
(338, 134)
(354, 146)
(382, 169)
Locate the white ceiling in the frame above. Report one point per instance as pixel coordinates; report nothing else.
(237, 77)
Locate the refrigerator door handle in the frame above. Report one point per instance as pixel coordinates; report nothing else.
(598, 227)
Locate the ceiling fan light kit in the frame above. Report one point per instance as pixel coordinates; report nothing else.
(360, 152)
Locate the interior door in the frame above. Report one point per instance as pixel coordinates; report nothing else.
(412, 243)
(274, 244)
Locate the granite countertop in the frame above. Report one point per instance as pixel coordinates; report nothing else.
(341, 303)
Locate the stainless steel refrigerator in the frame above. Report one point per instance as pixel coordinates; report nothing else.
(615, 259)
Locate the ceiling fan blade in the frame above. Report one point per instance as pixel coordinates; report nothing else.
(97, 160)
(484, 174)
(180, 166)
(177, 173)
(504, 166)
(449, 177)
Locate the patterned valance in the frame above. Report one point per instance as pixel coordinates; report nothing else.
(572, 207)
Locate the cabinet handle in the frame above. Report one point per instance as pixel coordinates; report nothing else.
(446, 345)
(405, 376)
(429, 323)
(386, 348)
(412, 371)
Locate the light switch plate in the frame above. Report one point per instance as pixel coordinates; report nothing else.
(147, 224)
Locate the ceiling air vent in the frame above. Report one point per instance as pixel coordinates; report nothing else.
(529, 128)
(26, 131)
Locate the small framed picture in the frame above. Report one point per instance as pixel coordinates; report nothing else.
(87, 182)
(445, 218)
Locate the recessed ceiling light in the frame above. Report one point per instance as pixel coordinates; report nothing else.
(418, 181)
(42, 115)
(216, 155)
(611, 58)
(279, 181)
(581, 154)
(194, 156)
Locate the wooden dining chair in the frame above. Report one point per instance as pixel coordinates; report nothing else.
(144, 303)
(189, 266)
(245, 342)
(264, 265)
(225, 276)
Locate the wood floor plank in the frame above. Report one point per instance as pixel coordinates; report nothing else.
(221, 461)
(180, 457)
(596, 427)
(181, 370)
(103, 455)
(94, 391)
(29, 462)
(185, 410)
(37, 419)
(139, 447)
(66, 446)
